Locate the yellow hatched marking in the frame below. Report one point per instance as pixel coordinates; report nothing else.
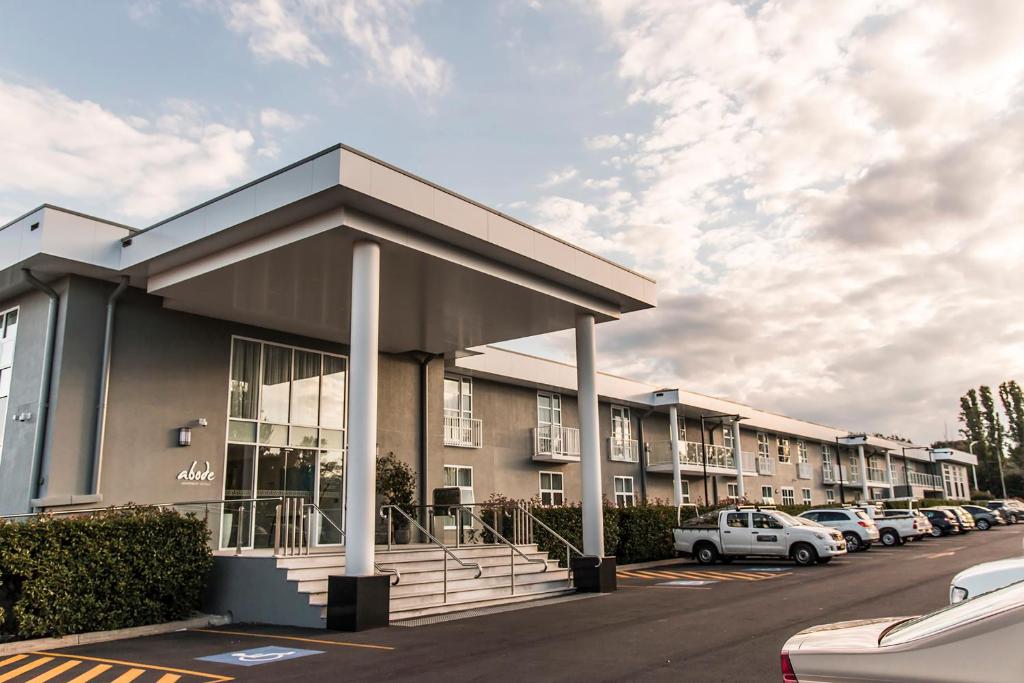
(168, 678)
(647, 575)
(750, 576)
(129, 675)
(90, 674)
(709, 575)
(55, 671)
(213, 678)
(12, 660)
(632, 575)
(692, 575)
(665, 575)
(301, 640)
(14, 673)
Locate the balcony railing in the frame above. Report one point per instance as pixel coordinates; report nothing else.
(923, 479)
(830, 475)
(877, 475)
(463, 432)
(556, 443)
(803, 470)
(765, 464)
(749, 462)
(691, 455)
(623, 450)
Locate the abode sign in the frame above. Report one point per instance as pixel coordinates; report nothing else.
(194, 475)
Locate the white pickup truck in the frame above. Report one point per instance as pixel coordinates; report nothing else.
(756, 532)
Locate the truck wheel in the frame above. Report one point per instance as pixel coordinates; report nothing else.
(804, 554)
(889, 537)
(705, 553)
(853, 543)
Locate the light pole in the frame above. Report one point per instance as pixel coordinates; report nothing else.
(999, 459)
(974, 468)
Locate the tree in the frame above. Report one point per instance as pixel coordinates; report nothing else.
(1012, 398)
(975, 429)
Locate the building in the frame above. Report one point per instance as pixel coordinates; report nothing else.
(240, 349)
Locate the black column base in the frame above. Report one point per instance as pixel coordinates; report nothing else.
(588, 578)
(358, 603)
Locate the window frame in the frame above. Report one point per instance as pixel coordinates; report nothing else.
(9, 368)
(551, 491)
(803, 457)
(787, 492)
(763, 445)
(732, 490)
(771, 492)
(628, 497)
(466, 524)
(782, 450)
(830, 496)
(461, 410)
(805, 496)
(555, 398)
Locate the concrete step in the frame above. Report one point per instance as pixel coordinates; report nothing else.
(385, 557)
(434, 583)
(453, 608)
(413, 571)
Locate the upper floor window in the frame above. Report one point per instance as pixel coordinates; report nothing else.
(762, 444)
(783, 449)
(681, 426)
(801, 452)
(8, 332)
(727, 436)
(622, 429)
(458, 397)
(549, 409)
(826, 454)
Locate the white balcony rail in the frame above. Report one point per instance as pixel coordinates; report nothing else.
(878, 475)
(623, 450)
(463, 432)
(830, 475)
(930, 481)
(691, 455)
(803, 470)
(749, 461)
(556, 440)
(765, 464)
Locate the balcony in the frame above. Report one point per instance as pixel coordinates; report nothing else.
(463, 432)
(878, 475)
(765, 464)
(623, 450)
(691, 461)
(555, 443)
(830, 475)
(749, 463)
(922, 479)
(803, 470)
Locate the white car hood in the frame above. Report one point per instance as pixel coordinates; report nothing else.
(844, 635)
(989, 576)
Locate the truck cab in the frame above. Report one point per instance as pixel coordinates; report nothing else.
(756, 532)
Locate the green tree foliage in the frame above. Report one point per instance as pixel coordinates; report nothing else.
(979, 423)
(1012, 398)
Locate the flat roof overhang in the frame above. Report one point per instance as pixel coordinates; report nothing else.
(277, 254)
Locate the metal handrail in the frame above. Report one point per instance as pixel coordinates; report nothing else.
(383, 570)
(446, 550)
(513, 550)
(568, 546)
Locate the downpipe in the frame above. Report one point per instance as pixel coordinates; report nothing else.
(37, 476)
(101, 409)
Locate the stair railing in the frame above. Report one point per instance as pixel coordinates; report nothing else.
(569, 547)
(446, 552)
(513, 550)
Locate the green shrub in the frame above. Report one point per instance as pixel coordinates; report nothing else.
(567, 521)
(645, 533)
(107, 571)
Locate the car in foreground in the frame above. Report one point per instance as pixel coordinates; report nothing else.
(943, 522)
(985, 578)
(974, 640)
(857, 528)
(984, 519)
(756, 532)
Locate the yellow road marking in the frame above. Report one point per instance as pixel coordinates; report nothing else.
(632, 575)
(692, 588)
(168, 678)
(213, 678)
(12, 660)
(296, 638)
(14, 673)
(90, 674)
(129, 675)
(665, 575)
(55, 671)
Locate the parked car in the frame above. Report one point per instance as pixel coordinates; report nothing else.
(896, 527)
(984, 519)
(756, 531)
(1012, 508)
(857, 528)
(963, 519)
(943, 522)
(985, 578)
(974, 640)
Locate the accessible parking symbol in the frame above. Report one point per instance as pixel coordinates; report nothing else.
(259, 655)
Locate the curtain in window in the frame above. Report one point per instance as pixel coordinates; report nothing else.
(277, 371)
(245, 366)
(306, 388)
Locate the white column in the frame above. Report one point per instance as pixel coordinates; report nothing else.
(974, 471)
(865, 492)
(590, 451)
(737, 454)
(673, 437)
(888, 473)
(361, 465)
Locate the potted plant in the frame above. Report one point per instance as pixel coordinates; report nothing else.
(396, 485)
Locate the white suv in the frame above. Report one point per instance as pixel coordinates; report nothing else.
(856, 526)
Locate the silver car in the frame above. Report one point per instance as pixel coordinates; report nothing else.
(974, 640)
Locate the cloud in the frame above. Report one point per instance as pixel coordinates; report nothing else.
(275, 119)
(559, 177)
(144, 12)
(829, 197)
(380, 33)
(61, 148)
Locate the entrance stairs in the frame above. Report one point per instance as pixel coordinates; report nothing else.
(422, 589)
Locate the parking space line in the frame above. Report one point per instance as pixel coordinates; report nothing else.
(90, 674)
(211, 678)
(12, 660)
(55, 671)
(129, 675)
(168, 678)
(32, 664)
(319, 641)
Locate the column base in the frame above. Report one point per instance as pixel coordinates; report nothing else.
(358, 603)
(588, 578)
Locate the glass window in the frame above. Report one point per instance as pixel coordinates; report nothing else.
(549, 409)
(621, 428)
(762, 444)
(806, 496)
(238, 480)
(458, 397)
(277, 373)
(332, 392)
(766, 493)
(331, 490)
(951, 616)
(760, 520)
(305, 399)
(732, 490)
(727, 436)
(782, 445)
(830, 496)
(461, 476)
(8, 333)
(684, 486)
(681, 424)
(551, 488)
(801, 452)
(736, 520)
(245, 368)
(624, 496)
(787, 496)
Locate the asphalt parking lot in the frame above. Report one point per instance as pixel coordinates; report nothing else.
(683, 622)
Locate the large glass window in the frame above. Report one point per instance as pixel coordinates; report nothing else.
(458, 397)
(552, 491)
(8, 332)
(624, 496)
(461, 476)
(286, 436)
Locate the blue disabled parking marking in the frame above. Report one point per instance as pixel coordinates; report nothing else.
(259, 655)
(687, 582)
(764, 569)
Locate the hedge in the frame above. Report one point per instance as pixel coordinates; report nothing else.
(112, 570)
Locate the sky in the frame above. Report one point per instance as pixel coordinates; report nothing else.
(829, 194)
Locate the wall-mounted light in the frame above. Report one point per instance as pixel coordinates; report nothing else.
(185, 433)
